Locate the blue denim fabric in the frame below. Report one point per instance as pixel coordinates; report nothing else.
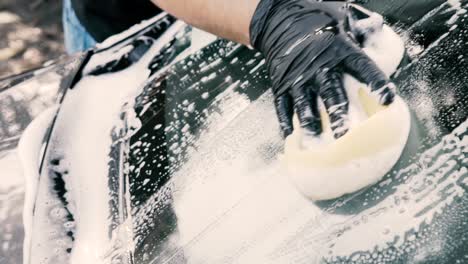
(76, 36)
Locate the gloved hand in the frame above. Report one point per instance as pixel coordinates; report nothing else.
(308, 45)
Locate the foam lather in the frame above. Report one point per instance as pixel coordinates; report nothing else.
(324, 168)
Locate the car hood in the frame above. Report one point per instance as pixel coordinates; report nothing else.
(192, 148)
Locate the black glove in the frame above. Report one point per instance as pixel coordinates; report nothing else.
(308, 45)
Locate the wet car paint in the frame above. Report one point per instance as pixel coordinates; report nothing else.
(440, 67)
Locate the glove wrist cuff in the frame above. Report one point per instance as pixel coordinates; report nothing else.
(259, 19)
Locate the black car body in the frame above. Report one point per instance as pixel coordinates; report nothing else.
(204, 118)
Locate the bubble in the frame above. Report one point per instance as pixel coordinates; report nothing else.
(69, 225)
(58, 213)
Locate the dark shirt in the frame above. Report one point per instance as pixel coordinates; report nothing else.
(104, 18)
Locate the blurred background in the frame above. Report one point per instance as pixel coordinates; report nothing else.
(31, 34)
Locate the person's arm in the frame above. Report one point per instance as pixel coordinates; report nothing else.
(229, 19)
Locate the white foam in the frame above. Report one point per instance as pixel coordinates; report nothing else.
(82, 143)
(405, 209)
(237, 209)
(228, 198)
(30, 148)
(87, 143)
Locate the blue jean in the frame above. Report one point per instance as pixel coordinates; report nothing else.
(77, 38)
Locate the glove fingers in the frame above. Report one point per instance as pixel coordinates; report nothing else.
(285, 111)
(306, 108)
(365, 70)
(335, 99)
(384, 93)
